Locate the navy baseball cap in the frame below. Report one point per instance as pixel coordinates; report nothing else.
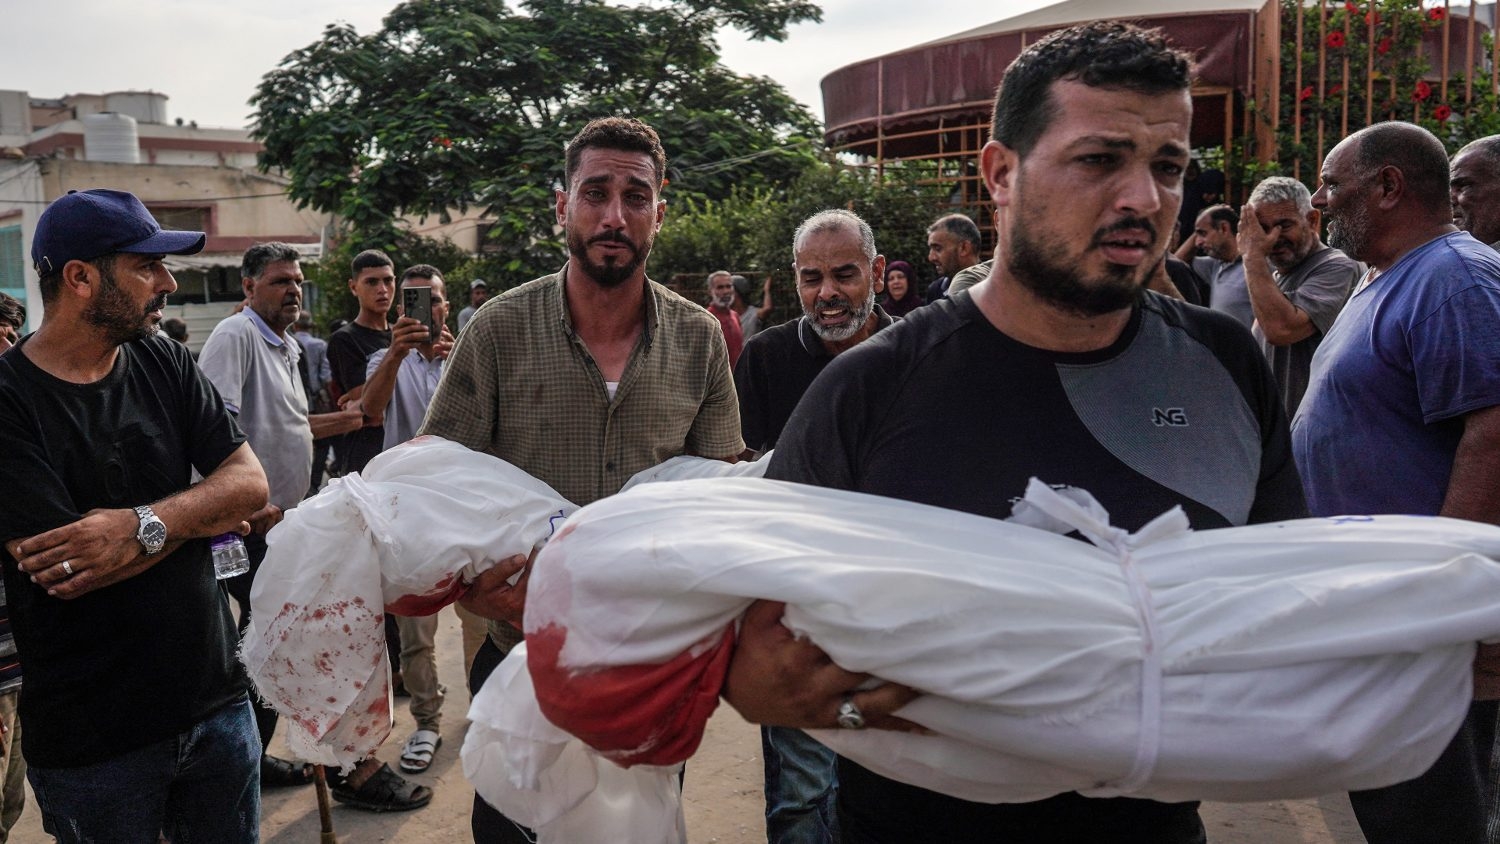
(87, 224)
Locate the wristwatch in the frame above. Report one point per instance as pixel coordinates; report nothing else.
(152, 534)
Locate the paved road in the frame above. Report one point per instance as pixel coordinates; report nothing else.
(722, 797)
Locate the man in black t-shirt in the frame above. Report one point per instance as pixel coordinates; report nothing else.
(1060, 366)
(838, 275)
(373, 283)
(137, 722)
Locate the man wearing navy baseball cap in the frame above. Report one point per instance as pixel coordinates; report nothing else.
(138, 727)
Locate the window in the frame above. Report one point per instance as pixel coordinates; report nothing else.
(182, 219)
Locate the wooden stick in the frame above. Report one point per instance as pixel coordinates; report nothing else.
(325, 807)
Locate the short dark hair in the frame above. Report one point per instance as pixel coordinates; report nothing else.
(176, 328)
(1416, 152)
(12, 311)
(370, 258)
(426, 271)
(263, 255)
(618, 133)
(960, 227)
(1217, 214)
(50, 284)
(1102, 54)
(1487, 148)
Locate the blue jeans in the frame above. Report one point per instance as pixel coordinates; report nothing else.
(199, 787)
(801, 789)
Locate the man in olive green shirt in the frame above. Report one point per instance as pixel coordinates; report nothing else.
(585, 377)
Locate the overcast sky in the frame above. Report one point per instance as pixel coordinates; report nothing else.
(207, 56)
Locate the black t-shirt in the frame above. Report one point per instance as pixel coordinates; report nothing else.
(349, 351)
(1191, 285)
(1182, 409)
(144, 659)
(774, 371)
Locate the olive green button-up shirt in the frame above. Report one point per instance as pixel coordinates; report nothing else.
(521, 385)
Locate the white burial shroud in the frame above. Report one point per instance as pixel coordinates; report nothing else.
(400, 534)
(1266, 662)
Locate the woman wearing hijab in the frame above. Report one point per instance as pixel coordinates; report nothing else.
(901, 296)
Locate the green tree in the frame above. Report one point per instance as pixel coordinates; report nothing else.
(455, 104)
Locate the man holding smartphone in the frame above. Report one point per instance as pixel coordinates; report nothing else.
(399, 385)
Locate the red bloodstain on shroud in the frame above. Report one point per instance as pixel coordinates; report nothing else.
(443, 593)
(633, 714)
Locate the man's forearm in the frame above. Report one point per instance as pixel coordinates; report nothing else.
(1282, 322)
(1474, 484)
(380, 386)
(228, 496)
(332, 424)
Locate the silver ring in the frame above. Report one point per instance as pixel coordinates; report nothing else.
(850, 718)
(67, 566)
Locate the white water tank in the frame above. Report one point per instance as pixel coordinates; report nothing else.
(108, 136)
(144, 106)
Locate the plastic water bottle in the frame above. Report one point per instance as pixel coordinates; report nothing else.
(230, 558)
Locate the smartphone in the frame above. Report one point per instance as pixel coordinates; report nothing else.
(416, 302)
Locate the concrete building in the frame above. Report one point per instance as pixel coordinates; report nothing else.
(189, 177)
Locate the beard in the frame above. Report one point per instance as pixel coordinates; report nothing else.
(120, 318)
(610, 273)
(1042, 267)
(724, 302)
(1350, 231)
(858, 316)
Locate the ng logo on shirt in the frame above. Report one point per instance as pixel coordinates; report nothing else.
(1174, 417)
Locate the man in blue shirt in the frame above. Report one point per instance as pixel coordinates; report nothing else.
(1409, 377)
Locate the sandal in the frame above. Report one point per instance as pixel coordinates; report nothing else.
(279, 773)
(416, 756)
(384, 791)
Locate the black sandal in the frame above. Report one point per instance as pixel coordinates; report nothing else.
(284, 773)
(384, 791)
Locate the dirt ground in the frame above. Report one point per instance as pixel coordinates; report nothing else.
(722, 796)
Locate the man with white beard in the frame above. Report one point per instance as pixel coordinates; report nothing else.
(838, 277)
(838, 274)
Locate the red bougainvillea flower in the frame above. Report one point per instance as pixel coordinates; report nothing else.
(1442, 112)
(444, 142)
(1351, 8)
(1334, 90)
(1422, 92)
(1372, 17)
(1306, 94)
(1383, 46)
(1437, 13)
(1335, 40)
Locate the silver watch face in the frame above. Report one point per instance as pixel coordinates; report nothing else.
(153, 535)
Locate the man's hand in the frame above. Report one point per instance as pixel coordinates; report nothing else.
(407, 334)
(1255, 239)
(1487, 673)
(96, 548)
(492, 596)
(265, 518)
(778, 680)
(444, 344)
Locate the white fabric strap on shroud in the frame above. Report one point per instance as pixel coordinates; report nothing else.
(1093, 522)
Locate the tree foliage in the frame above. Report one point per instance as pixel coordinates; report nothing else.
(459, 104)
(750, 230)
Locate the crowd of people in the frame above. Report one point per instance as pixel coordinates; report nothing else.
(1258, 375)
